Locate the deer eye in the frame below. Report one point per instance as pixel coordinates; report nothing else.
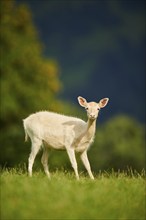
(98, 109)
(86, 108)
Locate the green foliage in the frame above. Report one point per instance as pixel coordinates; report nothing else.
(119, 143)
(27, 78)
(29, 82)
(63, 197)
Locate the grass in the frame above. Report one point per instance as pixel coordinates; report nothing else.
(111, 196)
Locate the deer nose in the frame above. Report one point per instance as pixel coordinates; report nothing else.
(92, 115)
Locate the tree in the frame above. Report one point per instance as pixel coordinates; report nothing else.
(119, 144)
(29, 81)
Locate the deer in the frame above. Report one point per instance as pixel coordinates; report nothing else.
(48, 130)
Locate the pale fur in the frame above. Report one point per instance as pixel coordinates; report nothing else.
(52, 130)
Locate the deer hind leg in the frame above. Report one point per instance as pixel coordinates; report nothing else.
(44, 160)
(36, 145)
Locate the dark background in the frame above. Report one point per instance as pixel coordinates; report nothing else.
(100, 48)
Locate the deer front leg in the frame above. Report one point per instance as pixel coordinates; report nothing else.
(86, 163)
(73, 161)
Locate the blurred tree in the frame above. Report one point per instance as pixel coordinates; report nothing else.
(29, 82)
(119, 144)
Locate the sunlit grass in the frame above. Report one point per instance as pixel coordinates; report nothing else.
(111, 196)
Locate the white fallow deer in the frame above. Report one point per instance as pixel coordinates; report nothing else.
(52, 130)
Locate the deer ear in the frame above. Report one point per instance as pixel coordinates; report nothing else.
(103, 102)
(82, 101)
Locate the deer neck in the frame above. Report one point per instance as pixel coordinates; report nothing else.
(88, 135)
(91, 127)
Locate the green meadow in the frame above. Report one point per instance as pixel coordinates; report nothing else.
(110, 196)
